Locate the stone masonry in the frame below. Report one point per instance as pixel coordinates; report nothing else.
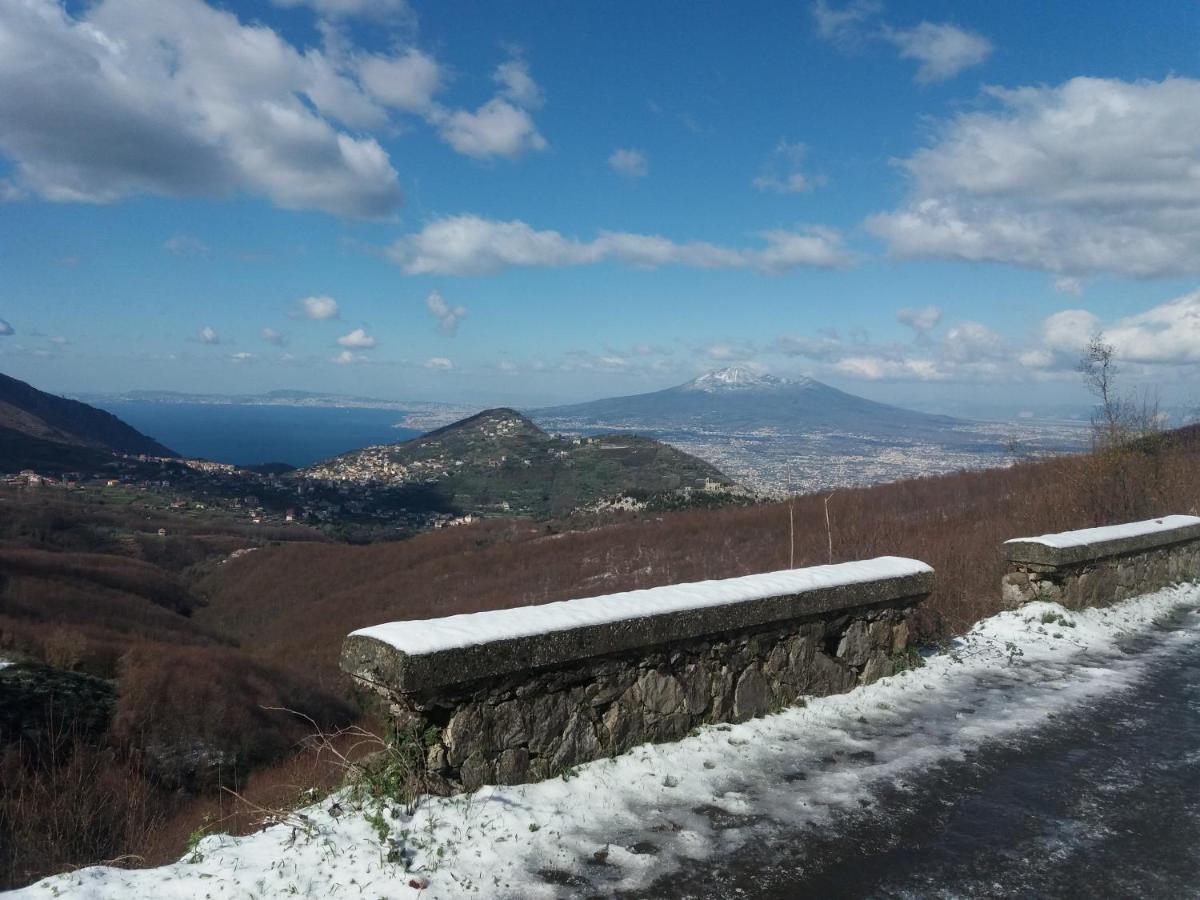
(530, 724)
(1098, 574)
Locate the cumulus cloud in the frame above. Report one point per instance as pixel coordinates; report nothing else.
(439, 363)
(1067, 285)
(517, 84)
(1062, 179)
(472, 245)
(6, 329)
(406, 81)
(629, 162)
(920, 320)
(185, 245)
(179, 99)
(497, 128)
(1166, 334)
(348, 357)
(376, 9)
(968, 351)
(320, 307)
(208, 335)
(447, 316)
(782, 173)
(942, 50)
(271, 336)
(357, 339)
(242, 357)
(844, 25)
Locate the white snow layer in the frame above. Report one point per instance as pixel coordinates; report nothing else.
(466, 630)
(705, 796)
(1087, 536)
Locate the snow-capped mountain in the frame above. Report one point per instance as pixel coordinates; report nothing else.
(739, 399)
(736, 378)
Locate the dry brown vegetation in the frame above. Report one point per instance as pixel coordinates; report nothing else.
(198, 648)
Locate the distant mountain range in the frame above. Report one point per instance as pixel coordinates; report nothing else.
(500, 461)
(41, 430)
(739, 400)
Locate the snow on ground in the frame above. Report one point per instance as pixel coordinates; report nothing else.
(5, 663)
(467, 629)
(707, 795)
(1087, 536)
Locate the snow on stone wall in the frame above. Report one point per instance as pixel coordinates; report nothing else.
(520, 695)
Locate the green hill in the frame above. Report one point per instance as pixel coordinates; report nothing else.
(500, 462)
(47, 432)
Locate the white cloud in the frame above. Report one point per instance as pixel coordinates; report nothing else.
(185, 245)
(447, 316)
(357, 339)
(517, 84)
(497, 128)
(376, 9)
(407, 81)
(242, 357)
(1065, 179)
(629, 163)
(209, 336)
(724, 351)
(782, 173)
(271, 336)
(877, 368)
(844, 26)
(942, 50)
(179, 99)
(438, 363)
(1067, 285)
(321, 307)
(472, 245)
(348, 357)
(6, 329)
(1166, 334)
(920, 320)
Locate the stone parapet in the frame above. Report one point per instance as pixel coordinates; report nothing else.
(1099, 566)
(510, 696)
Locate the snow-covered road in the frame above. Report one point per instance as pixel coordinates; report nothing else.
(844, 796)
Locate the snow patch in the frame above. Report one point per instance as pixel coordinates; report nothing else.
(1088, 536)
(469, 629)
(621, 824)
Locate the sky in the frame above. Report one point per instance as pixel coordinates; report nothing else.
(933, 203)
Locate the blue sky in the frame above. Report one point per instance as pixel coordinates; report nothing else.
(932, 203)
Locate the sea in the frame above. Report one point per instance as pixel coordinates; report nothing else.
(252, 435)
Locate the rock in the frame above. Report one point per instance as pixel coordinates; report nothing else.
(464, 734)
(752, 696)
(578, 745)
(512, 766)
(475, 772)
(660, 695)
(507, 721)
(622, 724)
(855, 646)
(547, 718)
(900, 636)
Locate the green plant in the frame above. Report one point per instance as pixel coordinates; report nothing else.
(906, 659)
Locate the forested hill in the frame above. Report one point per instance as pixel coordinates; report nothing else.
(499, 461)
(37, 426)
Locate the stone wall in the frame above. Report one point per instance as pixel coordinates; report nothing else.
(519, 723)
(1099, 566)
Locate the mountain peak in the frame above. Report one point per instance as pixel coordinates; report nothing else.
(734, 378)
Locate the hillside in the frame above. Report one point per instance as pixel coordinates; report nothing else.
(41, 430)
(737, 399)
(498, 461)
